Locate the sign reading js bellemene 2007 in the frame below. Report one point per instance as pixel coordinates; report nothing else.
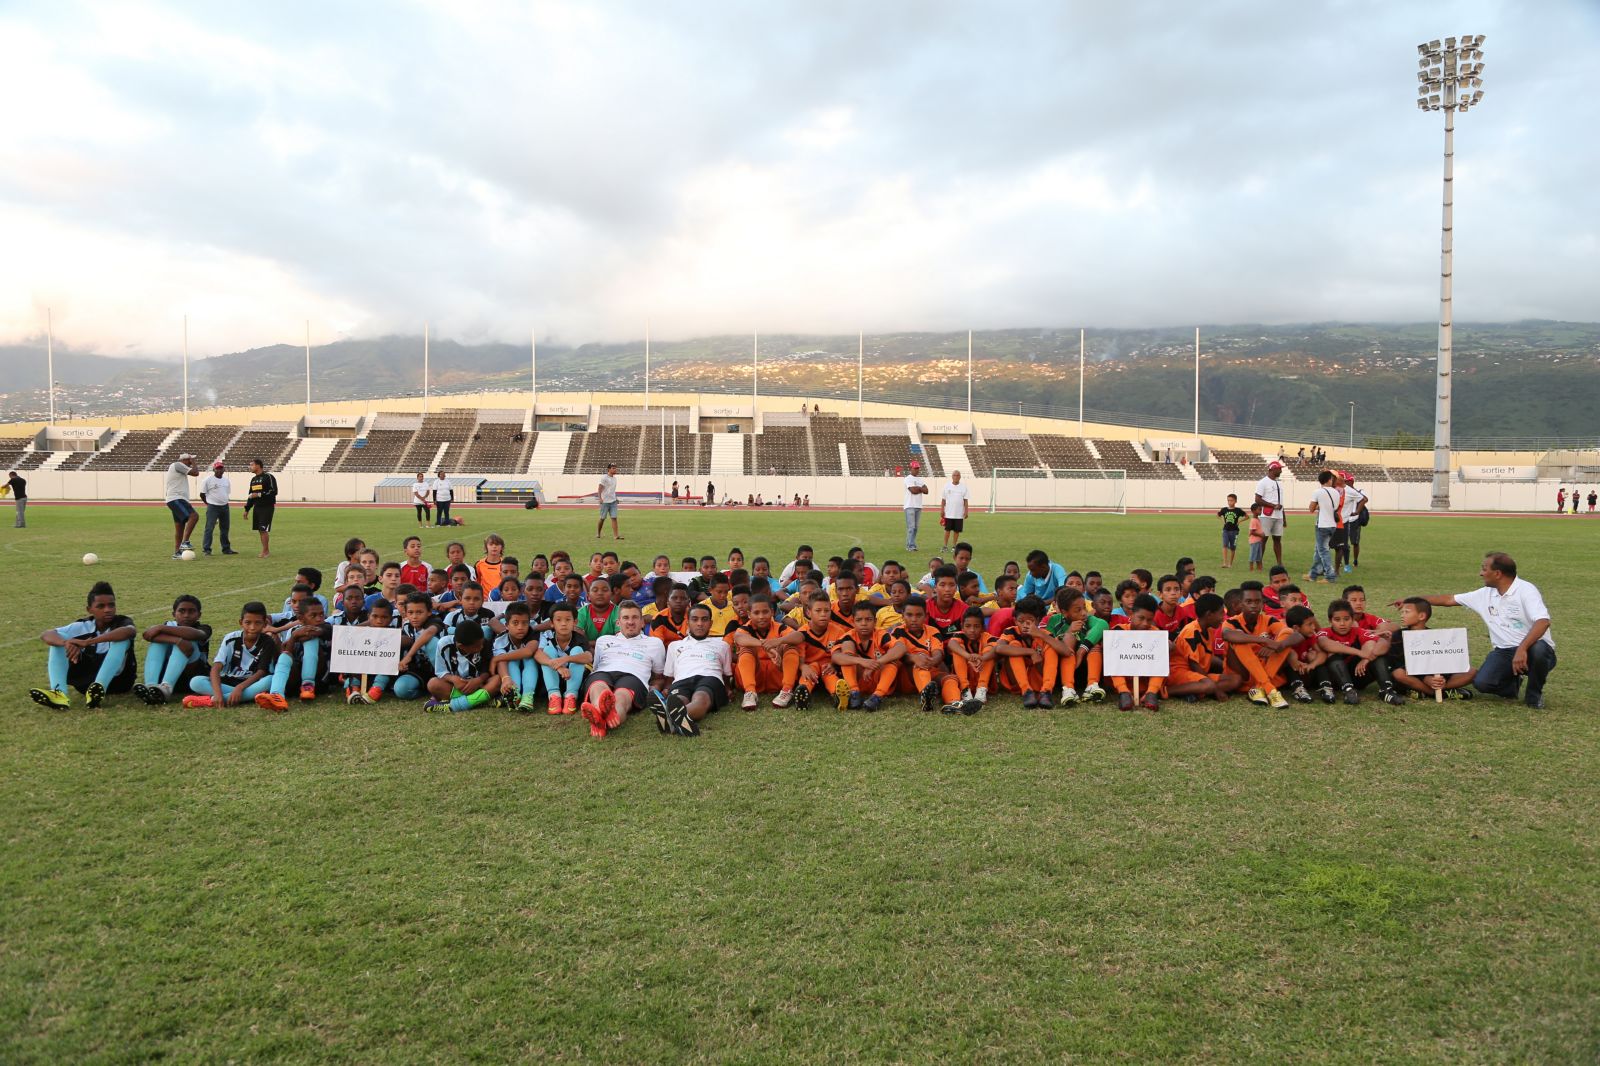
(364, 650)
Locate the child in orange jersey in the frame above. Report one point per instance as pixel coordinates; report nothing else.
(916, 662)
(972, 656)
(860, 656)
(763, 660)
(1030, 662)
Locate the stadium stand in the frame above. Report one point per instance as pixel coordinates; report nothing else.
(498, 445)
(785, 445)
(272, 446)
(1004, 452)
(1122, 455)
(1064, 453)
(205, 443)
(607, 444)
(454, 427)
(1411, 474)
(14, 456)
(379, 452)
(133, 451)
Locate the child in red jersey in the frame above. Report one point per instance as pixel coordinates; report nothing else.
(1171, 613)
(1355, 655)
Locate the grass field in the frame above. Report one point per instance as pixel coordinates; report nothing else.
(1210, 883)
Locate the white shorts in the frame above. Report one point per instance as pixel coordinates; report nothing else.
(1272, 524)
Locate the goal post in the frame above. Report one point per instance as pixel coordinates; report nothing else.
(1042, 489)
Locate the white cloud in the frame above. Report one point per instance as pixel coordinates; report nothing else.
(579, 167)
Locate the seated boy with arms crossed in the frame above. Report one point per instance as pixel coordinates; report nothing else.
(860, 656)
(179, 652)
(93, 655)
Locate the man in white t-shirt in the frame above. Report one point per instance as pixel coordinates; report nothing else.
(215, 491)
(607, 492)
(627, 664)
(699, 665)
(1325, 505)
(916, 489)
(1519, 630)
(1269, 494)
(953, 507)
(443, 496)
(184, 516)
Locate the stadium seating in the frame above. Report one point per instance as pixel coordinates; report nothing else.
(607, 444)
(454, 427)
(1122, 455)
(1016, 454)
(787, 449)
(205, 443)
(654, 458)
(134, 451)
(272, 446)
(380, 453)
(13, 456)
(1064, 453)
(1411, 474)
(497, 449)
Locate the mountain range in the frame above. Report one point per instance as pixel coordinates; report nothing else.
(1513, 380)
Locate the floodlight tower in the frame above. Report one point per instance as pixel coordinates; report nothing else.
(1449, 79)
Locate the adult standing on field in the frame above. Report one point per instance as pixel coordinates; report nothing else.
(954, 503)
(608, 502)
(916, 489)
(214, 493)
(422, 498)
(443, 497)
(19, 493)
(1519, 630)
(184, 516)
(262, 501)
(1269, 494)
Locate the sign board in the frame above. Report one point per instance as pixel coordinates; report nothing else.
(332, 421)
(365, 650)
(73, 434)
(683, 577)
(1135, 653)
(724, 412)
(944, 427)
(1436, 651)
(1500, 473)
(1177, 444)
(498, 607)
(563, 409)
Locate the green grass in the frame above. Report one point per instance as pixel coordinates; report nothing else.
(1209, 883)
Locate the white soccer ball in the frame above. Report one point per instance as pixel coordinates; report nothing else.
(188, 555)
(90, 558)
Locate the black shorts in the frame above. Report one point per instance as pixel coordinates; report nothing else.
(261, 517)
(954, 525)
(182, 511)
(619, 680)
(81, 674)
(713, 686)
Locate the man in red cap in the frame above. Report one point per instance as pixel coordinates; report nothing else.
(1269, 494)
(215, 492)
(1355, 509)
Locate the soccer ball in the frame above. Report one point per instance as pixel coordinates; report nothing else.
(90, 558)
(188, 555)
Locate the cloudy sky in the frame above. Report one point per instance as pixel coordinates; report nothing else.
(823, 165)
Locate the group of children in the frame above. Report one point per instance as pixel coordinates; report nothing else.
(613, 639)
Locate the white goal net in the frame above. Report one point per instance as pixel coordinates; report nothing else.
(1042, 489)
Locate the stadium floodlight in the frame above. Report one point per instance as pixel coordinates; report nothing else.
(1451, 80)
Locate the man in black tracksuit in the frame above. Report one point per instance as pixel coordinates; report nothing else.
(261, 502)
